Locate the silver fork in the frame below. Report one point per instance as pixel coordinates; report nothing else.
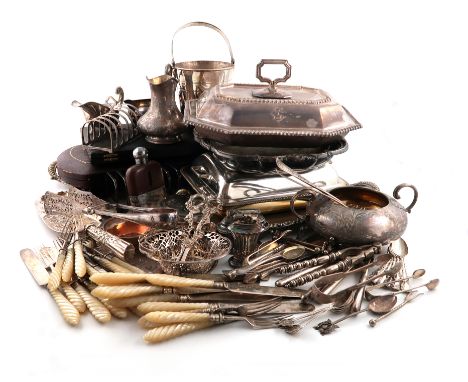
(294, 324)
(257, 322)
(243, 309)
(72, 295)
(62, 243)
(187, 317)
(78, 293)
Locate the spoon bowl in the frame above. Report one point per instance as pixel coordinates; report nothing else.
(382, 304)
(292, 253)
(431, 285)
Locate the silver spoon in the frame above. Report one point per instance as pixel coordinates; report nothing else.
(409, 297)
(265, 248)
(416, 275)
(378, 305)
(430, 285)
(288, 254)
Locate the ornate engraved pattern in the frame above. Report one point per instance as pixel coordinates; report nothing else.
(118, 245)
(273, 132)
(225, 98)
(358, 225)
(165, 247)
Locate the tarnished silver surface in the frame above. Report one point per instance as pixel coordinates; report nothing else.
(261, 160)
(62, 209)
(165, 247)
(120, 247)
(272, 91)
(195, 77)
(109, 126)
(245, 230)
(162, 122)
(347, 258)
(370, 216)
(280, 116)
(208, 176)
(90, 209)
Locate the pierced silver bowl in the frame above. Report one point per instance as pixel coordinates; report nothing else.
(166, 247)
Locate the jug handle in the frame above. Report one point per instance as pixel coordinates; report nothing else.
(302, 193)
(396, 194)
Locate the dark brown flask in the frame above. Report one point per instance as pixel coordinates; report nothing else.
(145, 181)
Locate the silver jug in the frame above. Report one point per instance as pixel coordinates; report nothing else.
(163, 122)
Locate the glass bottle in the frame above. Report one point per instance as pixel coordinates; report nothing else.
(145, 181)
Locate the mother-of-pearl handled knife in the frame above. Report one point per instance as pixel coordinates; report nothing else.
(165, 280)
(69, 313)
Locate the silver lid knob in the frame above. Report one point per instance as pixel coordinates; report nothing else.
(141, 155)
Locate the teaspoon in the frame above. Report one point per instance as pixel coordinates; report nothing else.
(416, 275)
(378, 305)
(409, 297)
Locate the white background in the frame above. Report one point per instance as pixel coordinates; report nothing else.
(398, 66)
